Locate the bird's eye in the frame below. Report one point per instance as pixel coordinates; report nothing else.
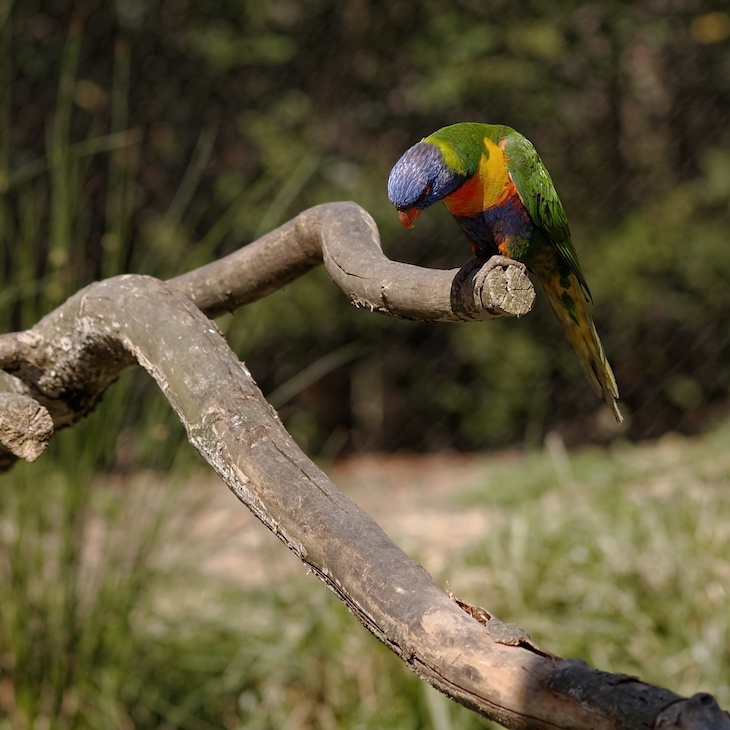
(426, 191)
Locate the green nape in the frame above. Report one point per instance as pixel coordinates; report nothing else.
(462, 145)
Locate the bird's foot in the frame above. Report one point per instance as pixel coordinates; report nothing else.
(480, 277)
(498, 260)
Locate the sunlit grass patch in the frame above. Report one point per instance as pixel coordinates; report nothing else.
(620, 558)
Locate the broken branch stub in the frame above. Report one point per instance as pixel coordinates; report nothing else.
(26, 428)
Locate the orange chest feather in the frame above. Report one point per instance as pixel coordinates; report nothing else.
(490, 186)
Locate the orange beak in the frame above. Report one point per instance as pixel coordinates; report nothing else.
(408, 216)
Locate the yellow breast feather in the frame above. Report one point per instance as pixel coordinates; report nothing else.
(489, 187)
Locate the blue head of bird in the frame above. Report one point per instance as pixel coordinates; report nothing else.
(420, 178)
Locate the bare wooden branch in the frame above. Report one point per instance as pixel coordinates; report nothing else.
(345, 238)
(71, 356)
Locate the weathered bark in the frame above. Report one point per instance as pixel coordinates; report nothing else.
(341, 235)
(345, 238)
(71, 356)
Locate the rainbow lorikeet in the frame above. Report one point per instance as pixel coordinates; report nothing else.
(493, 182)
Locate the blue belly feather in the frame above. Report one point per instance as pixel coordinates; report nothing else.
(507, 223)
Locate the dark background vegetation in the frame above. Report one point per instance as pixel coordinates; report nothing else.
(152, 136)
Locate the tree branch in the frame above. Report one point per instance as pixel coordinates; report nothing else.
(345, 238)
(70, 357)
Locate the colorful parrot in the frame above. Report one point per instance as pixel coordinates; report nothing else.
(493, 182)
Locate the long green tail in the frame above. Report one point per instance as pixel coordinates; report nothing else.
(571, 309)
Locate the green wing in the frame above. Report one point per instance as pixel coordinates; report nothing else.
(538, 195)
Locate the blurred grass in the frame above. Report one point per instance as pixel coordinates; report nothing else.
(112, 616)
(619, 557)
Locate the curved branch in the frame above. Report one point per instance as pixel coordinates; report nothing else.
(465, 652)
(69, 358)
(345, 238)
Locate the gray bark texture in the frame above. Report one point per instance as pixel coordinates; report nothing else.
(55, 373)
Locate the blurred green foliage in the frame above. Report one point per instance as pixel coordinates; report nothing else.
(152, 137)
